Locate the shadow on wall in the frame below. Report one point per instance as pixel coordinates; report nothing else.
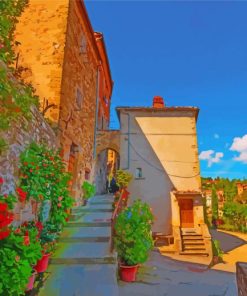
(155, 186)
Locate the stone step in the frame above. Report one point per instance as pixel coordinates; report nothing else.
(193, 243)
(192, 237)
(88, 224)
(81, 280)
(93, 210)
(102, 239)
(194, 253)
(68, 250)
(76, 216)
(188, 248)
(101, 203)
(85, 260)
(77, 232)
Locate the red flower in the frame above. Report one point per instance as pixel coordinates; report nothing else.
(3, 207)
(1, 181)
(22, 194)
(4, 234)
(30, 170)
(59, 205)
(26, 239)
(17, 231)
(25, 163)
(39, 226)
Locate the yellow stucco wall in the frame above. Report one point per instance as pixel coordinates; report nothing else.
(41, 31)
(164, 146)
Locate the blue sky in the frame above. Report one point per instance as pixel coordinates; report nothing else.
(191, 53)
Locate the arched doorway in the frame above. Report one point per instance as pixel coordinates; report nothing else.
(107, 162)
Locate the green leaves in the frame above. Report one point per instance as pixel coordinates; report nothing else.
(123, 178)
(88, 189)
(43, 176)
(133, 238)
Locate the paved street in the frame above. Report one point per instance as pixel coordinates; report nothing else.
(163, 277)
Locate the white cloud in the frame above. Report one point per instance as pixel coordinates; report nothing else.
(240, 145)
(216, 136)
(211, 156)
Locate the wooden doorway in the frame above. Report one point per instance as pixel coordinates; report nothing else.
(186, 213)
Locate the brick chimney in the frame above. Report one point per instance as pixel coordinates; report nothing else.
(158, 102)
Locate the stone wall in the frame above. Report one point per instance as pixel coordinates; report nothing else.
(19, 136)
(41, 31)
(78, 95)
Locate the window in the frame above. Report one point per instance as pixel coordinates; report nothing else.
(138, 173)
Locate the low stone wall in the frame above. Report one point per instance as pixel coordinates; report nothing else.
(241, 274)
(18, 137)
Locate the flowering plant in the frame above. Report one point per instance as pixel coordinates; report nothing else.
(43, 177)
(6, 216)
(133, 236)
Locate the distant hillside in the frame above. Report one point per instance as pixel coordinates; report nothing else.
(229, 186)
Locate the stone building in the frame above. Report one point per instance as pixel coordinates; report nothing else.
(67, 64)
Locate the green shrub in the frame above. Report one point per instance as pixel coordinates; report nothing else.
(123, 178)
(88, 190)
(217, 249)
(133, 236)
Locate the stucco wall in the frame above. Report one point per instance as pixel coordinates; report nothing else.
(164, 145)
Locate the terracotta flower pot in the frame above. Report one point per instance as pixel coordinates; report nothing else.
(31, 281)
(42, 264)
(215, 260)
(128, 273)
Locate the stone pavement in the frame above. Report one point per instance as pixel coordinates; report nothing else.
(82, 264)
(162, 276)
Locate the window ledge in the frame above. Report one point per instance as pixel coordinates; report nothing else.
(142, 178)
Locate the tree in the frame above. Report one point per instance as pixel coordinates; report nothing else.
(214, 203)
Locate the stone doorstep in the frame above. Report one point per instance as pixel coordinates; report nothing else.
(103, 239)
(78, 261)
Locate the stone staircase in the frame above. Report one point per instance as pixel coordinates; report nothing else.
(192, 243)
(83, 264)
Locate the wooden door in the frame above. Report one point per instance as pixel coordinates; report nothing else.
(186, 213)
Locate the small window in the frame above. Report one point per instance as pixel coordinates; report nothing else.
(138, 173)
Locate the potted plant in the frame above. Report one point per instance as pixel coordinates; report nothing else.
(47, 249)
(88, 191)
(27, 237)
(133, 238)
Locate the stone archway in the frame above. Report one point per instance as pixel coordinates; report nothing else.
(106, 142)
(108, 139)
